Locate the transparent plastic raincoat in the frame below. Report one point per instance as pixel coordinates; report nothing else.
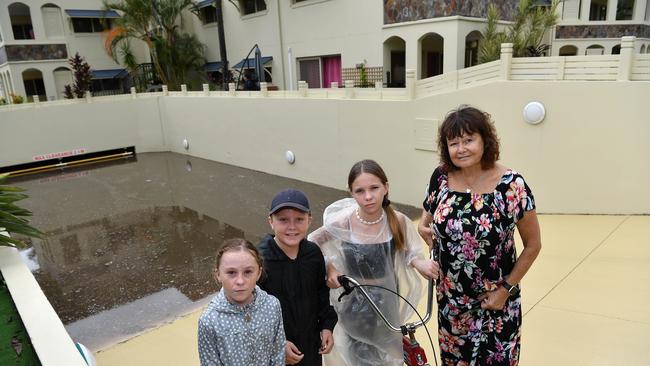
(361, 337)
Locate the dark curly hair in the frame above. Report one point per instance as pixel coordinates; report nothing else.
(468, 120)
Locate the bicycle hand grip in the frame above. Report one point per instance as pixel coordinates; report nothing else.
(345, 282)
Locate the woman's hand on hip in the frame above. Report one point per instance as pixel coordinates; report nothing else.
(494, 300)
(428, 268)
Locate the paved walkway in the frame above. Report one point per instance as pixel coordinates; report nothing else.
(586, 301)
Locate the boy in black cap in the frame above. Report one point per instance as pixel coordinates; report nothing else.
(294, 272)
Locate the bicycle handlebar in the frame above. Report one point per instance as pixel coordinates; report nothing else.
(349, 284)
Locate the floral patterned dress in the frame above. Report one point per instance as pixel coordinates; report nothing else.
(476, 251)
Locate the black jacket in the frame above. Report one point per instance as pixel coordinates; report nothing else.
(300, 286)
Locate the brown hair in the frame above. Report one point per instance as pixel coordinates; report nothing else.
(371, 167)
(237, 244)
(468, 120)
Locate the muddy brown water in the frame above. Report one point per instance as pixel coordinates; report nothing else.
(130, 244)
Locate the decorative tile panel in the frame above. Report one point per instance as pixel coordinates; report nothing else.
(602, 31)
(36, 52)
(399, 11)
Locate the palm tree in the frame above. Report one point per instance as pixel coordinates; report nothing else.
(158, 24)
(526, 33)
(12, 217)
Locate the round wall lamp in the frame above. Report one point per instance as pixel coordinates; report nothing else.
(534, 113)
(186, 144)
(289, 155)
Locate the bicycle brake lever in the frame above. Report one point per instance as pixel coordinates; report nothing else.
(345, 282)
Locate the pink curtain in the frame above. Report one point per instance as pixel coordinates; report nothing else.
(331, 70)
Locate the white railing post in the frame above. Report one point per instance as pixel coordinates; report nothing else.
(410, 84)
(626, 58)
(231, 90)
(89, 96)
(560, 68)
(206, 89)
(165, 90)
(184, 89)
(349, 89)
(37, 99)
(506, 60)
(302, 88)
(264, 89)
(134, 94)
(334, 85)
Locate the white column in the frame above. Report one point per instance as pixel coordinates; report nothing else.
(506, 60)
(584, 10)
(626, 60)
(639, 8)
(611, 10)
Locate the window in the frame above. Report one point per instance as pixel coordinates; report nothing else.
(251, 6)
(616, 50)
(21, 21)
(624, 9)
(90, 25)
(320, 72)
(208, 14)
(598, 10)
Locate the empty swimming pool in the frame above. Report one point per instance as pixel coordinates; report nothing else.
(131, 244)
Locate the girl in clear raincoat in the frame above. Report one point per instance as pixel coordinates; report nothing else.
(365, 238)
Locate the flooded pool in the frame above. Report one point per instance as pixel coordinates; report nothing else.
(131, 244)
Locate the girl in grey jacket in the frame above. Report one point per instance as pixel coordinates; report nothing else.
(242, 325)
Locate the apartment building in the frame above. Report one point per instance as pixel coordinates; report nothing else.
(317, 41)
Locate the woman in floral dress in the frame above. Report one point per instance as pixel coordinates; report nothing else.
(471, 210)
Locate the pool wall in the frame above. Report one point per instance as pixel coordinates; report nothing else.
(587, 156)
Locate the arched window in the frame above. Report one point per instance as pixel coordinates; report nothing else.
(52, 21)
(33, 81)
(472, 41)
(395, 62)
(21, 21)
(595, 49)
(642, 49)
(62, 77)
(568, 50)
(616, 50)
(431, 47)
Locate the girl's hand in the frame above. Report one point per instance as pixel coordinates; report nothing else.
(327, 341)
(428, 268)
(332, 277)
(292, 354)
(494, 300)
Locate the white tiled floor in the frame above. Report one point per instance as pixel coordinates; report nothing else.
(586, 301)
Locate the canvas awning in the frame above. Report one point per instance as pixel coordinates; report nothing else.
(251, 63)
(76, 13)
(106, 74)
(213, 66)
(203, 4)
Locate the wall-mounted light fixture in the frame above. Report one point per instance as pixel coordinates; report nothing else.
(289, 155)
(534, 113)
(186, 144)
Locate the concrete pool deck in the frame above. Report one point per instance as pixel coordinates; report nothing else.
(585, 301)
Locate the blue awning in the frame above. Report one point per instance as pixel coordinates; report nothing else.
(251, 63)
(203, 4)
(76, 13)
(213, 66)
(106, 74)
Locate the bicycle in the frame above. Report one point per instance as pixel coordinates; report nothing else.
(414, 354)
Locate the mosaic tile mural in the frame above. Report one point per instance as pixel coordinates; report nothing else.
(399, 11)
(36, 52)
(602, 31)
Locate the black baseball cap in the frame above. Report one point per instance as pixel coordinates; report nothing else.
(291, 198)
